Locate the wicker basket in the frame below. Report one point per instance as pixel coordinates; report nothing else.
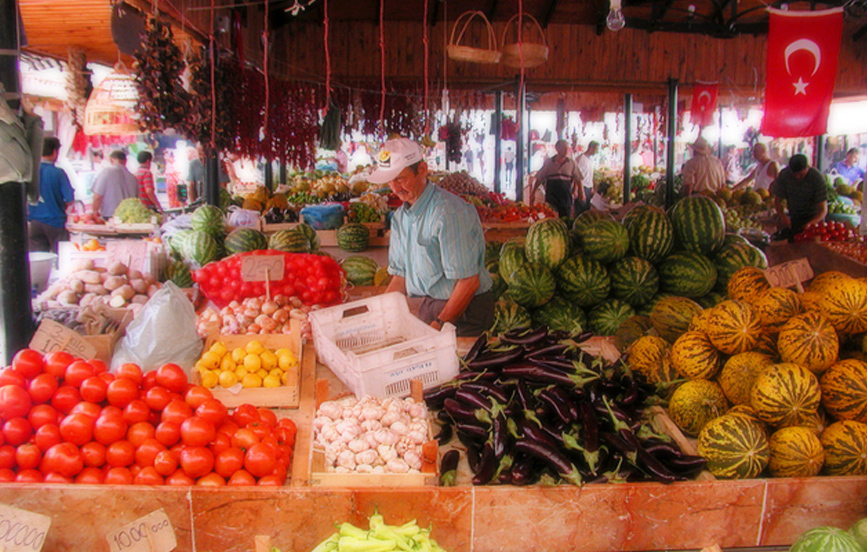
(110, 107)
(472, 54)
(534, 53)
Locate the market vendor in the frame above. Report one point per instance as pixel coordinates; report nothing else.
(803, 188)
(848, 168)
(437, 244)
(560, 175)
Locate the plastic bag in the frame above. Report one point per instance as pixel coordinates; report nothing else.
(324, 217)
(243, 218)
(163, 332)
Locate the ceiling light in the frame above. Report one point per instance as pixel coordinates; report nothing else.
(615, 20)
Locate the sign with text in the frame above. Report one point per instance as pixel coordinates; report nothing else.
(21, 530)
(51, 336)
(152, 533)
(790, 274)
(258, 268)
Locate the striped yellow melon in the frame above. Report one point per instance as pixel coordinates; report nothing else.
(735, 447)
(739, 373)
(811, 301)
(845, 445)
(666, 378)
(775, 306)
(795, 452)
(700, 321)
(821, 281)
(767, 345)
(695, 403)
(809, 340)
(844, 304)
(785, 395)
(816, 423)
(844, 390)
(694, 356)
(746, 283)
(646, 355)
(734, 327)
(745, 410)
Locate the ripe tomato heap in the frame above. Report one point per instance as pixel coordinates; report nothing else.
(315, 279)
(827, 232)
(66, 420)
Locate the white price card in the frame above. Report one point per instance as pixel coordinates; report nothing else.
(790, 274)
(152, 533)
(51, 336)
(258, 268)
(21, 530)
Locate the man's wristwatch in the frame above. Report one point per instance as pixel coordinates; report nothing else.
(440, 322)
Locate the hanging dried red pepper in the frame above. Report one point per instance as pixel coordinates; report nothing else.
(162, 100)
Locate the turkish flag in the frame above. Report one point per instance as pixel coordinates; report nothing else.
(802, 69)
(703, 103)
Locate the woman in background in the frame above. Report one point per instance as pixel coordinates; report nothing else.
(172, 178)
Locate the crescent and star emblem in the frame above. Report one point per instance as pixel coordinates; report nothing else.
(808, 46)
(702, 105)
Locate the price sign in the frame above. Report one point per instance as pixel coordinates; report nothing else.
(790, 274)
(21, 530)
(258, 268)
(152, 533)
(52, 336)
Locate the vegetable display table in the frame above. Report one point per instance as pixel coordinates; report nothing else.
(821, 258)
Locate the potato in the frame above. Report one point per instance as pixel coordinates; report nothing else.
(87, 299)
(77, 286)
(104, 276)
(114, 282)
(83, 264)
(88, 276)
(140, 286)
(98, 289)
(117, 268)
(152, 289)
(140, 299)
(55, 305)
(135, 308)
(100, 269)
(117, 302)
(68, 297)
(124, 291)
(134, 274)
(54, 290)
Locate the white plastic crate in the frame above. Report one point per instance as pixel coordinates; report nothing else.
(376, 346)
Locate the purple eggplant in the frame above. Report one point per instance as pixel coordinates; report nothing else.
(522, 470)
(561, 406)
(495, 360)
(445, 434)
(488, 389)
(475, 432)
(551, 457)
(473, 398)
(478, 347)
(532, 432)
(525, 339)
(459, 412)
(435, 396)
(590, 425)
(549, 351)
(449, 468)
(540, 375)
(486, 467)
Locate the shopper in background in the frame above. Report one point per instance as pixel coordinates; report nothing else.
(704, 172)
(803, 188)
(114, 184)
(173, 179)
(585, 187)
(145, 178)
(560, 175)
(731, 163)
(437, 245)
(47, 219)
(848, 168)
(195, 174)
(765, 171)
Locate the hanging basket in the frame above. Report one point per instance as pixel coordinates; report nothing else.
(472, 54)
(534, 53)
(109, 109)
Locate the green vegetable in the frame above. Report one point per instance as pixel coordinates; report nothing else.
(133, 211)
(380, 537)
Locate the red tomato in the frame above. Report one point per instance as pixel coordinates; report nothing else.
(28, 363)
(65, 399)
(270, 481)
(14, 402)
(229, 461)
(244, 439)
(211, 480)
(280, 472)
(88, 409)
(111, 411)
(64, 459)
(77, 428)
(176, 411)
(79, 371)
(129, 371)
(135, 469)
(42, 414)
(93, 454)
(57, 478)
(220, 443)
(27, 456)
(147, 451)
(17, 431)
(107, 377)
(149, 379)
(136, 411)
(47, 436)
(7, 456)
(261, 429)
(196, 461)
(157, 397)
(196, 395)
(197, 432)
(172, 377)
(90, 476)
(121, 392)
(168, 433)
(165, 463)
(42, 388)
(99, 366)
(109, 429)
(260, 460)
(120, 454)
(6, 475)
(268, 416)
(228, 427)
(241, 478)
(245, 415)
(148, 476)
(212, 410)
(180, 479)
(119, 476)
(11, 376)
(29, 476)
(93, 389)
(140, 432)
(57, 362)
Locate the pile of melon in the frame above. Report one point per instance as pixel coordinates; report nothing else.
(770, 381)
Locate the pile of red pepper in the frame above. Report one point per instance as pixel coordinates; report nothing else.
(515, 212)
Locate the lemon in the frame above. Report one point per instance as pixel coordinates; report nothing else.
(262, 373)
(276, 372)
(269, 360)
(218, 349)
(251, 380)
(228, 379)
(271, 381)
(252, 362)
(210, 379)
(285, 377)
(238, 355)
(240, 372)
(287, 362)
(200, 368)
(254, 347)
(228, 363)
(283, 352)
(210, 360)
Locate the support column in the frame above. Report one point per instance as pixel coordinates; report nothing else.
(498, 139)
(820, 153)
(627, 147)
(519, 142)
(269, 175)
(671, 134)
(212, 179)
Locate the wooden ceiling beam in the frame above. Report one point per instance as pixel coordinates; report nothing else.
(700, 27)
(859, 34)
(660, 9)
(491, 11)
(549, 13)
(434, 12)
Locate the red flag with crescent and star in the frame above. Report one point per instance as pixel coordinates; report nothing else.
(703, 103)
(802, 69)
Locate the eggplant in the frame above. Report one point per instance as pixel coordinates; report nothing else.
(538, 374)
(488, 389)
(474, 432)
(549, 351)
(526, 398)
(522, 470)
(459, 412)
(435, 396)
(495, 360)
(475, 376)
(551, 457)
(478, 347)
(590, 425)
(473, 398)
(527, 338)
(532, 432)
(449, 468)
(445, 434)
(562, 407)
(487, 466)
(499, 435)
(473, 458)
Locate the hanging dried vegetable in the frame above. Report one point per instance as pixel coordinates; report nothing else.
(162, 101)
(197, 124)
(78, 85)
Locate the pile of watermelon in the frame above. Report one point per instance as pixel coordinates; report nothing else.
(833, 539)
(601, 272)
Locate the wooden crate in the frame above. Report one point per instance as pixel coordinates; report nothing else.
(381, 238)
(272, 228)
(93, 229)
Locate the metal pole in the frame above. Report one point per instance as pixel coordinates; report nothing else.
(212, 179)
(269, 175)
(519, 143)
(820, 153)
(16, 313)
(719, 146)
(498, 138)
(669, 147)
(283, 172)
(627, 147)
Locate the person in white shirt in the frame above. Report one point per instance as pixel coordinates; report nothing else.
(583, 191)
(114, 184)
(765, 171)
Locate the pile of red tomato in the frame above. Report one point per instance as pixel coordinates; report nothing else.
(855, 249)
(315, 279)
(66, 420)
(515, 212)
(826, 231)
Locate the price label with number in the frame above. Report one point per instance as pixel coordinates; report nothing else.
(21, 530)
(51, 336)
(152, 533)
(790, 274)
(258, 268)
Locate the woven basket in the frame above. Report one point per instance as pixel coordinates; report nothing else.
(534, 53)
(110, 107)
(459, 52)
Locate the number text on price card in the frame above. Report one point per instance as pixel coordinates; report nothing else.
(258, 268)
(152, 533)
(21, 530)
(51, 336)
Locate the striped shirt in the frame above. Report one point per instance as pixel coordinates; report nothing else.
(145, 180)
(436, 242)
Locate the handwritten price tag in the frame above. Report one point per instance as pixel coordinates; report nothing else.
(51, 336)
(21, 530)
(152, 533)
(790, 274)
(258, 268)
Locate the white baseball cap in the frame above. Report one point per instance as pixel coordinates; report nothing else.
(395, 155)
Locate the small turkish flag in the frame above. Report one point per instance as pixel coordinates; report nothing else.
(703, 103)
(802, 69)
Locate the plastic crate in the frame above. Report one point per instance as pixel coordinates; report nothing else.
(377, 347)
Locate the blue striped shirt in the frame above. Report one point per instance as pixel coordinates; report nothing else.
(436, 242)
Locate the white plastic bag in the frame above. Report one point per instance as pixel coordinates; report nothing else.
(243, 218)
(163, 332)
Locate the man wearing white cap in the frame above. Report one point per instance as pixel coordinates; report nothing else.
(437, 245)
(704, 172)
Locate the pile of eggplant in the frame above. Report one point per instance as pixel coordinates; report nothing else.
(530, 407)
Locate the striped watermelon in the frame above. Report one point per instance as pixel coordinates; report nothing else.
(826, 539)
(559, 314)
(735, 447)
(730, 258)
(606, 317)
(710, 299)
(687, 273)
(651, 235)
(671, 316)
(201, 248)
(699, 224)
(208, 219)
(353, 237)
(245, 239)
(637, 210)
(731, 238)
(492, 252)
(289, 241)
(605, 240)
(311, 234)
(532, 285)
(547, 243)
(587, 218)
(509, 315)
(178, 243)
(633, 280)
(499, 287)
(583, 280)
(360, 270)
(512, 256)
(179, 273)
(647, 308)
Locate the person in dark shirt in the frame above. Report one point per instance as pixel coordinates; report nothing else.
(47, 219)
(804, 190)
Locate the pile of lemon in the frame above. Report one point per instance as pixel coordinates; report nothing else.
(252, 366)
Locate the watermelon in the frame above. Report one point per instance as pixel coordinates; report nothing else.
(631, 330)
(547, 243)
(178, 243)
(289, 241)
(179, 273)
(360, 270)
(311, 234)
(687, 273)
(633, 280)
(731, 238)
(651, 235)
(353, 237)
(639, 209)
(699, 224)
(606, 317)
(512, 256)
(208, 219)
(859, 531)
(587, 218)
(499, 287)
(583, 280)
(492, 252)
(201, 248)
(826, 539)
(605, 240)
(532, 285)
(731, 258)
(671, 316)
(711, 299)
(245, 239)
(560, 314)
(509, 315)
